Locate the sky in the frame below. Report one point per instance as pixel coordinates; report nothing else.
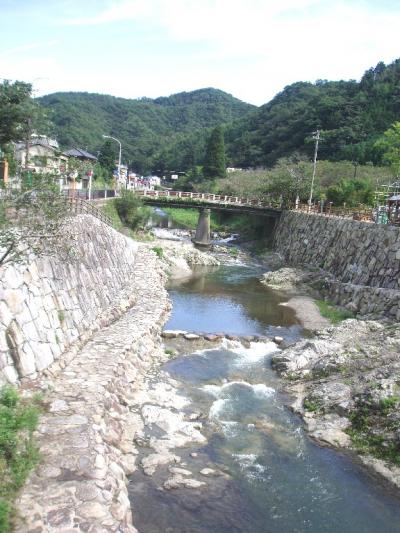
(251, 49)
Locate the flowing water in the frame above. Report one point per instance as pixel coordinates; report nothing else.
(273, 478)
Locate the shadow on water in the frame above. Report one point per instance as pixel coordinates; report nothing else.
(272, 478)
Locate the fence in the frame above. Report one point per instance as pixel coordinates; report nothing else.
(94, 195)
(78, 206)
(364, 214)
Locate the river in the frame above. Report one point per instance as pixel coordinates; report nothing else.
(271, 476)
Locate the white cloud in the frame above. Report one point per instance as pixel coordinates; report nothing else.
(27, 46)
(251, 48)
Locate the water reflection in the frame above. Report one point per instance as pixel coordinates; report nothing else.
(229, 299)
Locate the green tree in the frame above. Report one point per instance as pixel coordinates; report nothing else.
(389, 145)
(214, 163)
(15, 99)
(32, 220)
(107, 156)
(351, 192)
(131, 211)
(20, 115)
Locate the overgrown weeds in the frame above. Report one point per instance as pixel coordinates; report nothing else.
(18, 450)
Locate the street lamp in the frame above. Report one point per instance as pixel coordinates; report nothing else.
(120, 152)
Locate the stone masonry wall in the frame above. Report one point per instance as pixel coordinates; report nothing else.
(50, 307)
(361, 260)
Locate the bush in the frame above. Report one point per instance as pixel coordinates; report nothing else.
(18, 451)
(131, 211)
(159, 251)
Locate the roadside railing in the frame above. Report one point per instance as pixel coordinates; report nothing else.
(78, 206)
(354, 213)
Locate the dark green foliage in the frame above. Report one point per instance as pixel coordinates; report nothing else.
(351, 192)
(19, 113)
(107, 156)
(156, 135)
(372, 428)
(214, 162)
(159, 251)
(131, 211)
(351, 116)
(170, 133)
(18, 452)
(14, 99)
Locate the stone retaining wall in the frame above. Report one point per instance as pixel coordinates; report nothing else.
(50, 307)
(86, 436)
(362, 259)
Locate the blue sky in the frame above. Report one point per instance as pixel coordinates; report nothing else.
(249, 48)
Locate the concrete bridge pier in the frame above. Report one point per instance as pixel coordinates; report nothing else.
(202, 236)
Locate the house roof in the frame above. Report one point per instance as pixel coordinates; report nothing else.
(35, 142)
(77, 152)
(394, 198)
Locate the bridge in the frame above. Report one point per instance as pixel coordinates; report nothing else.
(206, 202)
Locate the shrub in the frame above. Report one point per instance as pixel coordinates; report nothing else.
(131, 211)
(18, 451)
(159, 251)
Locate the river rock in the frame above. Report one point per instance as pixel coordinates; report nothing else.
(172, 333)
(211, 338)
(191, 336)
(208, 472)
(180, 481)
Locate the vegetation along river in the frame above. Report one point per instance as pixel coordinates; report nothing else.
(270, 476)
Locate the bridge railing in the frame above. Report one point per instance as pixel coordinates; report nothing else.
(208, 197)
(363, 214)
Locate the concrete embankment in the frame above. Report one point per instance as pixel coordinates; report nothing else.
(86, 437)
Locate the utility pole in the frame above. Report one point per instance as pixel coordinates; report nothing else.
(316, 136)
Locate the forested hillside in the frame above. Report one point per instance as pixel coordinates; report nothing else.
(144, 126)
(171, 132)
(351, 115)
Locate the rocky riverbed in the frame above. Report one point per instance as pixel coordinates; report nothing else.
(345, 380)
(113, 411)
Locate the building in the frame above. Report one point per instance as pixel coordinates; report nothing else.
(41, 155)
(82, 155)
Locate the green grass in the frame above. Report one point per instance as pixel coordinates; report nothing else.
(110, 210)
(159, 251)
(332, 313)
(371, 429)
(18, 450)
(311, 405)
(186, 218)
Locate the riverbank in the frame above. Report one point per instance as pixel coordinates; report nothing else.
(86, 435)
(345, 380)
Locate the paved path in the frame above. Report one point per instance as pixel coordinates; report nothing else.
(86, 435)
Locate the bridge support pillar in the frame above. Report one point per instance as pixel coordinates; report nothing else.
(202, 236)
